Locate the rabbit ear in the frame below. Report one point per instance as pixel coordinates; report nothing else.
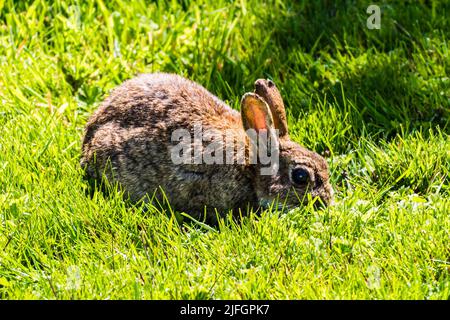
(255, 113)
(267, 90)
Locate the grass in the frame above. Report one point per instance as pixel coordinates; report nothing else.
(376, 101)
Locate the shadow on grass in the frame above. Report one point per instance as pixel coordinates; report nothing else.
(324, 49)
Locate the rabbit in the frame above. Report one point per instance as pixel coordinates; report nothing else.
(129, 140)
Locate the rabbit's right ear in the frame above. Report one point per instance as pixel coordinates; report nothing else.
(267, 90)
(255, 113)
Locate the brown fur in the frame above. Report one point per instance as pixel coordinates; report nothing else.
(131, 131)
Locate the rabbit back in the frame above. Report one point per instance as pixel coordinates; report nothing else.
(128, 140)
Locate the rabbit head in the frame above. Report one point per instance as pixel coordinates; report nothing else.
(297, 174)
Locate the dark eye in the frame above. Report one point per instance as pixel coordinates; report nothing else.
(300, 176)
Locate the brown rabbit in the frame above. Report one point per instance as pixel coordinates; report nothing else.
(130, 139)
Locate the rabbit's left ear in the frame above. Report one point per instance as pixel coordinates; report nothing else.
(255, 113)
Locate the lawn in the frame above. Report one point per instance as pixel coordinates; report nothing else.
(376, 103)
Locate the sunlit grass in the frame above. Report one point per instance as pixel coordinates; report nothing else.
(376, 101)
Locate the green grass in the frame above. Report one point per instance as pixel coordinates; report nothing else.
(376, 101)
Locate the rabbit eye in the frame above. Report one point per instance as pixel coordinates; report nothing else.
(300, 176)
